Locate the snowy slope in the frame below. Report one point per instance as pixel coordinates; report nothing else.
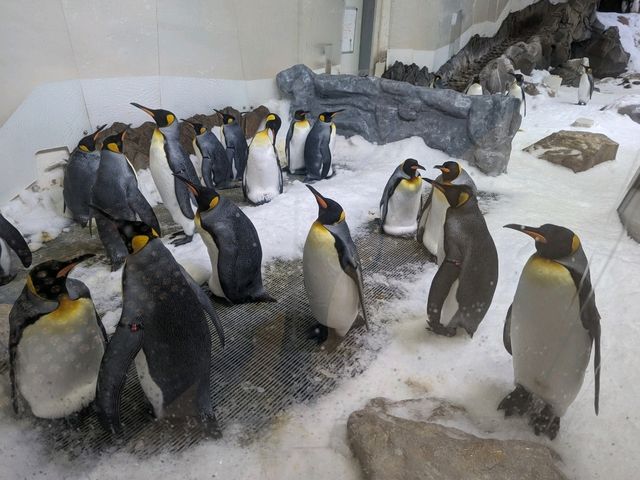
(629, 28)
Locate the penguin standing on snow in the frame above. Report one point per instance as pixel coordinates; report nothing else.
(476, 87)
(262, 180)
(165, 327)
(400, 202)
(332, 271)
(10, 237)
(56, 342)
(79, 176)
(318, 148)
(216, 168)
(116, 192)
(516, 90)
(462, 289)
(434, 210)
(296, 138)
(236, 144)
(586, 87)
(550, 328)
(166, 157)
(233, 245)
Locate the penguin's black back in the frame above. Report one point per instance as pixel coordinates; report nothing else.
(316, 149)
(79, 176)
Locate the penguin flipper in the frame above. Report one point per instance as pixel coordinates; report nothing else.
(138, 203)
(124, 345)
(506, 332)
(442, 282)
(326, 159)
(287, 143)
(591, 86)
(207, 166)
(524, 102)
(15, 240)
(184, 198)
(422, 217)
(389, 188)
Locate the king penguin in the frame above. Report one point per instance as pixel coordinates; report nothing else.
(166, 326)
(216, 168)
(233, 245)
(550, 329)
(318, 148)
(262, 180)
(476, 87)
(166, 157)
(434, 210)
(516, 90)
(116, 192)
(332, 270)
(462, 289)
(400, 202)
(79, 177)
(56, 342)
(236, 144)
(12, 238)
(436, 82)
(296, 137)
(586, 87)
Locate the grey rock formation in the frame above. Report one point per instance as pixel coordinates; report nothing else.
(632, 111)
(495, 76)
(475, 128)
(578, 151)
(410, 440)
(412, 74)
(629, 209)
(570, 71)
(605, 52)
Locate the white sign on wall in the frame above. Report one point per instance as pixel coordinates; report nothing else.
(349, 29)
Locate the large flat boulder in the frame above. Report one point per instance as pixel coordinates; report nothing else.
(576, 150)
(414, 440)
(478, 129)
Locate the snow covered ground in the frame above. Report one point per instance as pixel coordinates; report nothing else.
(310, 441)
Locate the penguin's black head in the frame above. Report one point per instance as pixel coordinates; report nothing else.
(327, 117)
(273, 123)
(457, 195)
(88, 143)
(450, 170)
(134, 234)
(552, 241)
(588, 69)
(49, 279)
(476, 79)
(329, 211)
(206, 197)
(198, 127)
(163, 118)
(300, 115)
(115, 142)
(411, 167)
(519, 78)
(227, 119)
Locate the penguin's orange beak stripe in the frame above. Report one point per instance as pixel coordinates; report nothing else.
(321, 202)
(536, 236)
(192, 189)
(444, 170)
(65, 271)
(144, 109)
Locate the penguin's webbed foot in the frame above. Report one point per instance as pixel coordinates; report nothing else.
(179, 233)
(6, 279)
(182, 241)
(319, 333)
(545, 421)
(518, 401)
(439, 329)
(211, 427)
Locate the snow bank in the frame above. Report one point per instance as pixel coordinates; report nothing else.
(629, 29)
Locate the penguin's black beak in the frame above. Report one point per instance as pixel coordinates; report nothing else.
(195, 189)
(67, 266)
(333, 114)
(512, 74)
(533, 232)
(443, 169)
(98, 130)
(148, 111)
(418, 167)
(435, 184)
(322, 203)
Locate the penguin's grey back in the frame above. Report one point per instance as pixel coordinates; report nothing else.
(216, 171)
(114, 178)
(79, 176)
(316, 148)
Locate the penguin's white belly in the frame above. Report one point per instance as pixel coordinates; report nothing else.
(450, 305)
(475, 89)
(433, 237)
(403, 208)
(332, 145)
(5, 258)
(333, 295)
(516, 92)
(197, 163)
(58, 359)
(165, 183)
(583, 89)
(214, 280)
(296, 148)
(150, 388)
(262, 174)
(551, 348)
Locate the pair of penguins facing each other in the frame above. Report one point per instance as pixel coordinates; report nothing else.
(514, 89)
(553, 321)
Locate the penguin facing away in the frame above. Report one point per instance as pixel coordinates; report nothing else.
(318, 148)
(462, 289)
(475, 88)
(11, 238)
(516, 90)
(400, 202)
(233, 246)
(332, 271)
(262, 180)
(79, 176)
(296, 138)
(433, 214)
(216, 168)
(436, 82)
(116, 192)
(586, 86)
(550, 329)
(165, 327)
(166, 157)
(56, 342)
(235, 143)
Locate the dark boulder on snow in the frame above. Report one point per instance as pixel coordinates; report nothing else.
(570, 71)
(478, 129)
(409, 440)
(606, 55)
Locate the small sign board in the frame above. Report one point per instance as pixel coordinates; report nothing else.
(349, 29)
